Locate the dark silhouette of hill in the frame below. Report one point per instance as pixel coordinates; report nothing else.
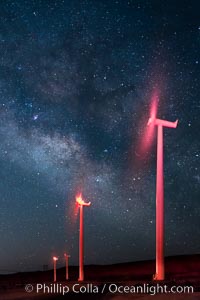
(176, 267)
(180, 270)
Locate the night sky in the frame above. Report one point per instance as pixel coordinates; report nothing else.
(76, 82)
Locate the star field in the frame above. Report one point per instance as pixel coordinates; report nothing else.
(76, 79)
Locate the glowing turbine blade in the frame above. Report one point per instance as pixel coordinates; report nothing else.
(149, 130)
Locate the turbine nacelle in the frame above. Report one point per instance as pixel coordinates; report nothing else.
(164, 123)
(80, 201)
(66, 255)
(55, 258)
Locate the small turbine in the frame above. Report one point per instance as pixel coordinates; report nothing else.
(54, 267)
(67, 265)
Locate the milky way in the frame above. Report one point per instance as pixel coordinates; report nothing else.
(76, 81)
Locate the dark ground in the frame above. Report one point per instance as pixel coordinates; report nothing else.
(180, 271)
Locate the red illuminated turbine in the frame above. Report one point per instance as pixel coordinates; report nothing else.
(81, 204)
(80, 200)
(54, 267)
(67, 265)
(153, 121)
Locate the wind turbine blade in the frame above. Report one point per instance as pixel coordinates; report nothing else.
(148, 136)
(154, 105)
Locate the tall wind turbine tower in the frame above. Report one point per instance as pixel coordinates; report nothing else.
(160, 269)
(81, 204)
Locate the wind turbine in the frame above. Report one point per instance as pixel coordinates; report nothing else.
(54, 267)
(153, 121)
(67, 265)
(81, 204)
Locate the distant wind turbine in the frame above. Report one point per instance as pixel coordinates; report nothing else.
(54, 267)
(67, 265)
